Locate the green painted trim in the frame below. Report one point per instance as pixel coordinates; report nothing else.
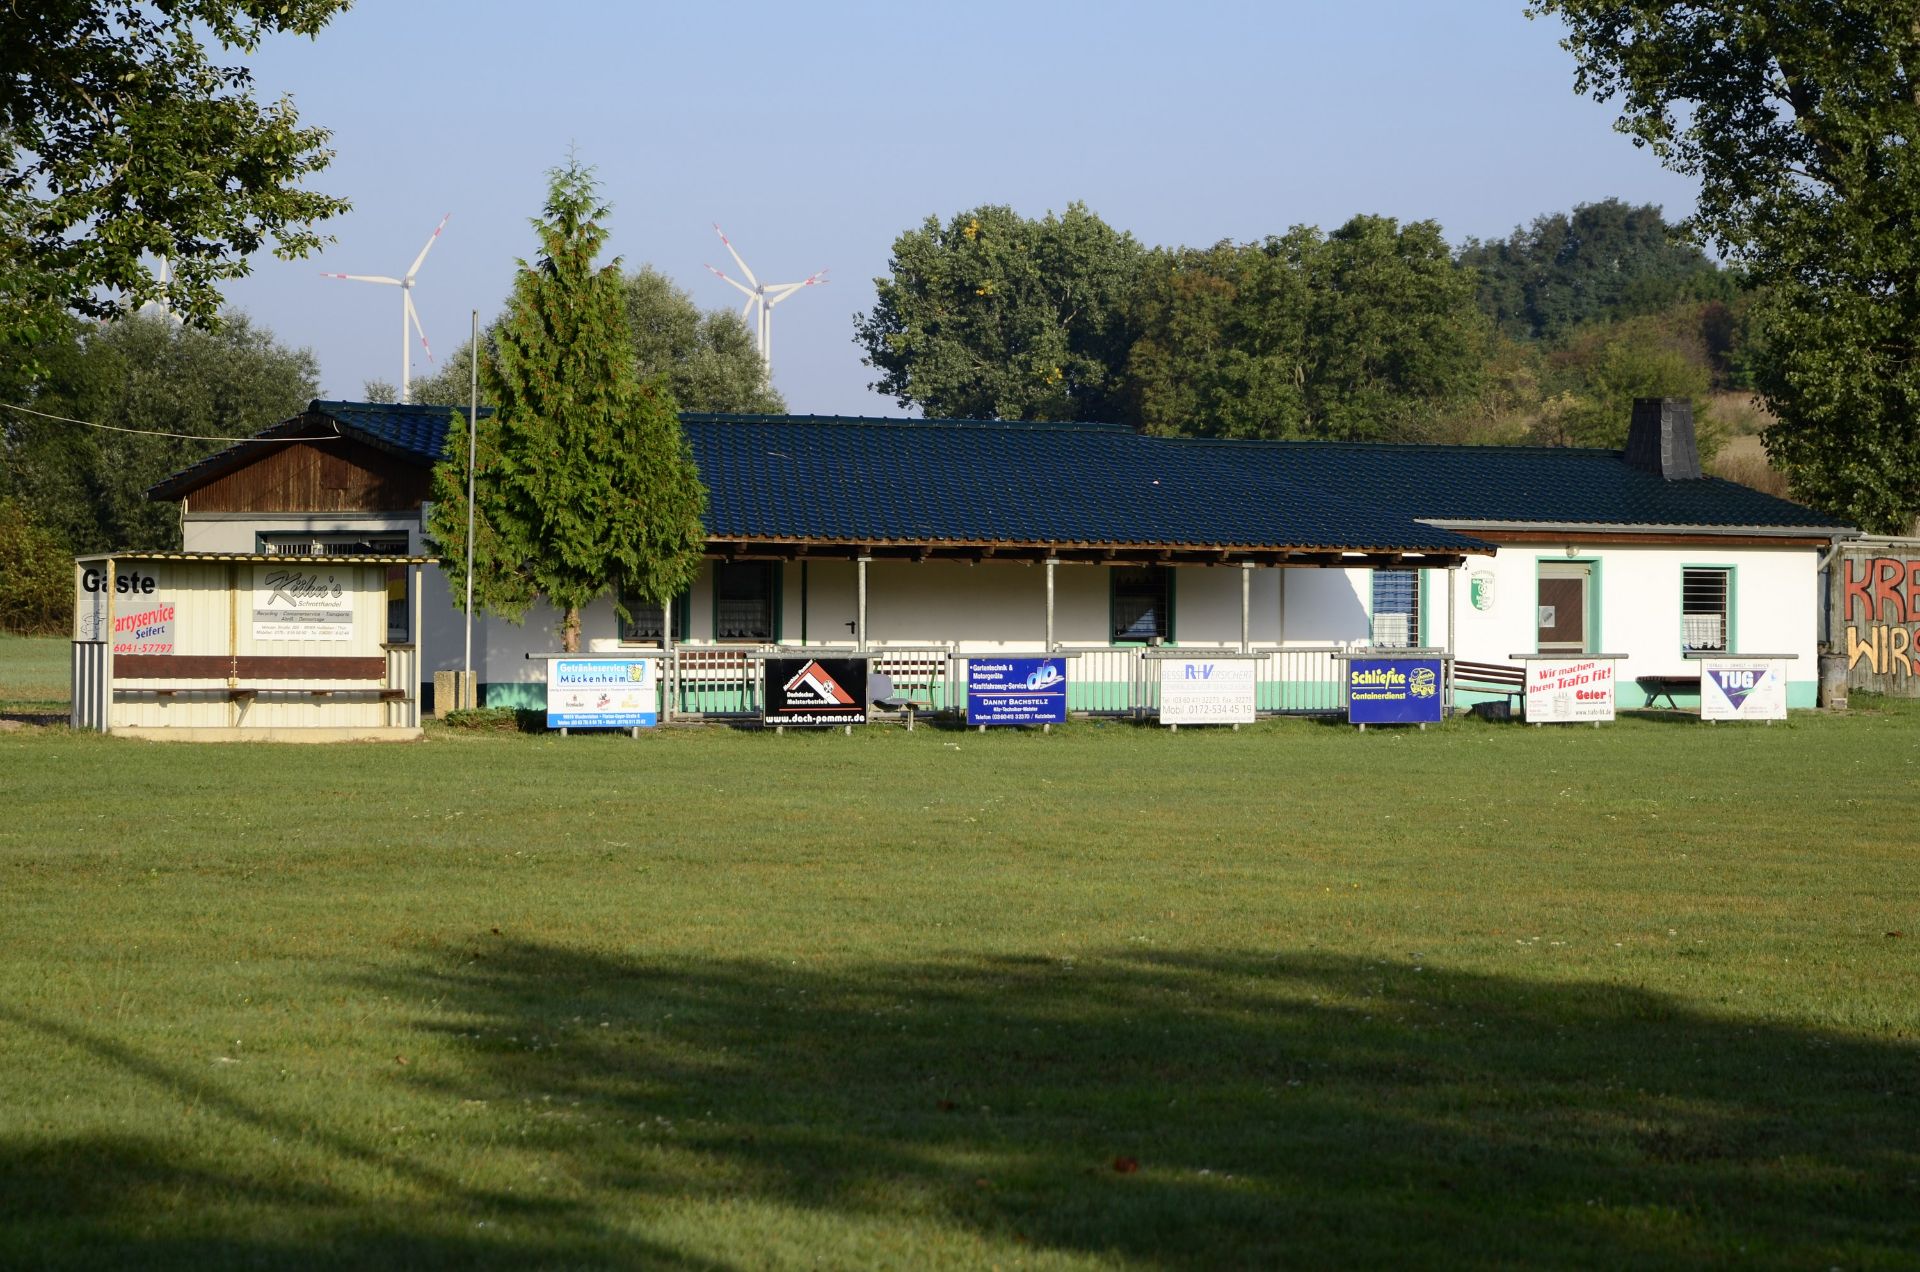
(1173, 605)
(513, 693)
(1423, 639)
(1733, 607)
(1803, 694)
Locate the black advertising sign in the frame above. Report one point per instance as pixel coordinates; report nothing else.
(813, 692)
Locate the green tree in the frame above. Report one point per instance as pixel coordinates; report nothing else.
(708, 359)
(993, 315)
(1592, 390)
(88, 486)
(1606, 260)
(1370, 332)
(1801, 118)
(120, 138)
(36, 576)
(585, 484)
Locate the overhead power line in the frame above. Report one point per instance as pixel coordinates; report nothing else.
(154, 432)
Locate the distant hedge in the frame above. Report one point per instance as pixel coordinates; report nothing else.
(36, 576)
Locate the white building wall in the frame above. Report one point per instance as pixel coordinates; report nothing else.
(1000, 607)
(1774, 604)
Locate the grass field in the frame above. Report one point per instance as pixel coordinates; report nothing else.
(1483, 996)
(34, 674)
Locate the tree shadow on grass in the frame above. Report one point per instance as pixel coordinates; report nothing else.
(1210, 1110)
(138, 1201)
(1234, 1109)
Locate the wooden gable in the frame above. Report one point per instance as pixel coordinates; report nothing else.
(335, 475)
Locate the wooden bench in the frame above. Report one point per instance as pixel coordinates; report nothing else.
(1657, 687)
(1491, 678)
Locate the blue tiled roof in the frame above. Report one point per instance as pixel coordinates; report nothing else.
(419, 431)
(946, 481)
(848, 479)
(1528, 485)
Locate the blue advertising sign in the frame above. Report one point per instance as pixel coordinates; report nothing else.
(603, 693)
(1393, 691)
(1016, 690)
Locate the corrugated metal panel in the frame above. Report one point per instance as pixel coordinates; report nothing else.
(213, 599)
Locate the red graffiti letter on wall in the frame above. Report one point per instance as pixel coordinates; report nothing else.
(1888, 575)
(1860, 589)
(1913, 591)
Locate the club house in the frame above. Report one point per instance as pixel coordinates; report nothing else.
(919, 544)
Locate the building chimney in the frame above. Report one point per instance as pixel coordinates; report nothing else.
(1660, 439)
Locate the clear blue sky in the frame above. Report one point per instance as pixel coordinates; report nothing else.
(816, 133)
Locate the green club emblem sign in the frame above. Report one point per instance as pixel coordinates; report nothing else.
(1480, 589)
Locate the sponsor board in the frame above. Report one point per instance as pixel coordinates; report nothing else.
(1206, 690)
(813, 692)
(1016, 690)
(1743, 689)
(146, 629)
(1569, 690)
(295, 603)
(1393, 691)
(134, 588)
(603, 693)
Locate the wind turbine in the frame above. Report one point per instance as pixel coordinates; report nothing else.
(408, 315)
(761, 298)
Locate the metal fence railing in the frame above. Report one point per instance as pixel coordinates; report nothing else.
(707, 682)
(713, 683)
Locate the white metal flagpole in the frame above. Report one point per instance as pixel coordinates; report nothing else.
(473, 418)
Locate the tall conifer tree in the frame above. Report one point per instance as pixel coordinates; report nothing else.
(584, 484)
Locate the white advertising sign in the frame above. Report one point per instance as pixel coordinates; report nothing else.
(603, 693)
(301, 602)
(1568, 690)
(1743, 689)
(1206, 690)
(142, 612)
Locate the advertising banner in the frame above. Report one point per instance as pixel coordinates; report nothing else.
(301, 603)
(147, 628)
(813, 692)
(1016, 690)
(1393, 691)
(142, 618)
(1206, 690)
(1743, 689)
(1569, 690)
(603, 693)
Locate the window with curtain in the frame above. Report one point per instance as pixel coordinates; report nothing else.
(743, 599)
(1142, 604)
(1396, 609)
(648, 623)
(1705, 594)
